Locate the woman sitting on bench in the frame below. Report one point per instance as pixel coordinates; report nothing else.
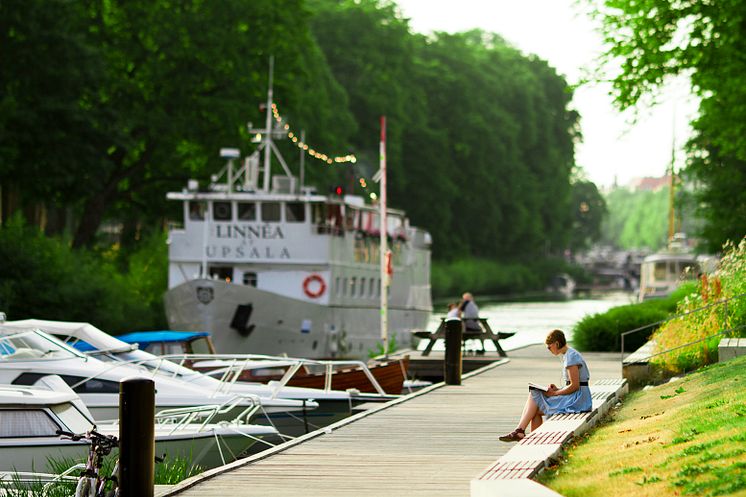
(574, 397)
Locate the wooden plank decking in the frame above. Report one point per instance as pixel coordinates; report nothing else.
(431, 444)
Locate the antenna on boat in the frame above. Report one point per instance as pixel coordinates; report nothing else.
(268, 126)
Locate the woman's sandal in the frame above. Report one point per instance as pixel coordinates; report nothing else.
(514, 436)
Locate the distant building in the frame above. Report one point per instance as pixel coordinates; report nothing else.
(649, 184)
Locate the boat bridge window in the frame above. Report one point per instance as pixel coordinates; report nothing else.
(362, 287)
(197, 211)
(371, 287)
(70, 416)
(353, 286)
(27, 423)
(270, 212)
(247, 211)
(352, 218)
(93, 385)
(222, 211)
(249, 279)
(295, 212)
(221, 273)
(200, 346)
(328, 219)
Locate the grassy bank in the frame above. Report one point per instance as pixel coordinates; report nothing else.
(686, 437)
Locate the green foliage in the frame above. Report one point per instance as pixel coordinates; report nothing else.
(636, 219)
(602, 332)
(701, 329)
(652, 41)
(43, 277)
(488, 277)
(379, 350)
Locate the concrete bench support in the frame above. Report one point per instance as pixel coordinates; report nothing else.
(730, 348)
(510, 476)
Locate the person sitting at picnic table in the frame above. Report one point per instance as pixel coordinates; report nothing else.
(452, 310)
(469, 313)
(574, 397)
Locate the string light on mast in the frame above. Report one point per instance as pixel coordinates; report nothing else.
(304, 146)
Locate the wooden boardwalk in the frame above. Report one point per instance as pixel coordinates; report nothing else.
(428, 444)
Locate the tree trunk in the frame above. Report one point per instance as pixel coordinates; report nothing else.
(90, 221)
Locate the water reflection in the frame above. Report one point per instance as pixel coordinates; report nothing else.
(533, 320)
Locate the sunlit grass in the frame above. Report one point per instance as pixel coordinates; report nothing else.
(686, 437)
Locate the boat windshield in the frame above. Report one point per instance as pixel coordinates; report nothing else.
(33, 345)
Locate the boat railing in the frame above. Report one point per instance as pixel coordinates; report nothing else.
(234, 364)
(655, 325)
(203, 415)
(230, 367)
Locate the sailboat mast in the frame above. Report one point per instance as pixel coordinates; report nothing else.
(672, 184)
(268, 127)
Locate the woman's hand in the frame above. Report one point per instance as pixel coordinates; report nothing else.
(552, 390)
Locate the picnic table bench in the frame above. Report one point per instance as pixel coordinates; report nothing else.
(485, 333)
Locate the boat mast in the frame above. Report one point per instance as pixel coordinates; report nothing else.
(268, 127)
(672, 183)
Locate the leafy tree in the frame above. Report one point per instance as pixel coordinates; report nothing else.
(466, 142)
(652, 40)
(589, 210)
(164, 85)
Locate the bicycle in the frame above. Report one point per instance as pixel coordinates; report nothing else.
(90, 482)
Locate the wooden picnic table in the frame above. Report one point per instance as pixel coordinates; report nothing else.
(485, 333)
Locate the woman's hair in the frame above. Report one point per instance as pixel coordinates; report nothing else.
(556, 336)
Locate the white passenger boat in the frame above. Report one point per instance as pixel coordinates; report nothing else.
(273, 267)
(661, 273)
(31, 416)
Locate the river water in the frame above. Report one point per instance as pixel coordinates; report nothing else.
(533, 320)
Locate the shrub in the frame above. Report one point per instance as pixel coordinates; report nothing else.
(695, 337)
(602, 332)
(44, 278)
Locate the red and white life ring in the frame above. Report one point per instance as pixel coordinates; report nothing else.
(316, 281)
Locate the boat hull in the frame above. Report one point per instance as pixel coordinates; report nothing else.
(274, 324)
(389, 375)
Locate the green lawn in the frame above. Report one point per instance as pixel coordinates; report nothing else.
(687, 437)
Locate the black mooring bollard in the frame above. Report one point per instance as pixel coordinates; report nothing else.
(454, 331)
(136, 437)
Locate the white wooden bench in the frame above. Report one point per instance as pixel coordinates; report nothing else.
(511, 475)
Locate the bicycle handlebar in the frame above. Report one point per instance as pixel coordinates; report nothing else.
(92, 435)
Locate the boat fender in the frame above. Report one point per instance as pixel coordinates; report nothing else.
(314, 286)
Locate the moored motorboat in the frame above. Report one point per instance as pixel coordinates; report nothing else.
(318, 408)
(28, 355)
(30, 418)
